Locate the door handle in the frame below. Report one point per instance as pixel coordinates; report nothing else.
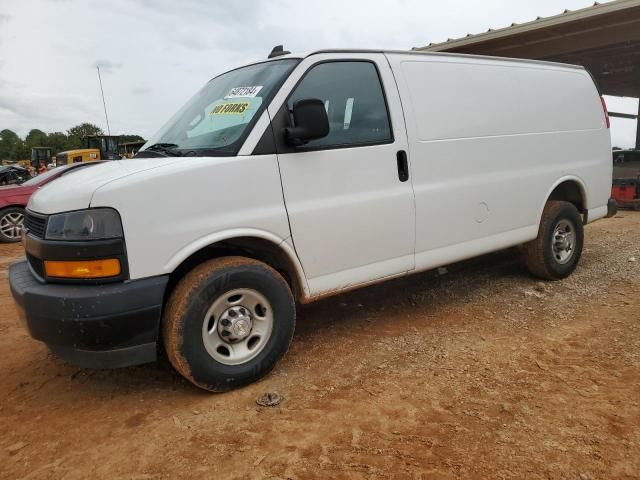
(403, 166)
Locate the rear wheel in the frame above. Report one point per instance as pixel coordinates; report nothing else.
(228, 322)
(555, 253)
(11, 222)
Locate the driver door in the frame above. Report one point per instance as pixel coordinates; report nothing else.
(348, 195)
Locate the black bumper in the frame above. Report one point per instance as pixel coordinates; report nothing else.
(95, 326)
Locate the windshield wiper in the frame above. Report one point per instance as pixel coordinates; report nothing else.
(167, 149)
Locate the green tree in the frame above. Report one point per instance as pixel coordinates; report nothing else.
(9, 141)
(23, 152)
(36, 138)
(58, 141)
(77, 133)
(131, 138)
(12, 147)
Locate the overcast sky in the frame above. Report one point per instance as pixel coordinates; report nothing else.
(155, 54)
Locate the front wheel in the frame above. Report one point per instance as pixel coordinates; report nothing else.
(11, 224)
(555, 253)
(228, 322)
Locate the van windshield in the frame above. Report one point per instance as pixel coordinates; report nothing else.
(219, 117)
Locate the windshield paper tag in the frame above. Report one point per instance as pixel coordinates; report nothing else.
(243, 92)
(230, 108)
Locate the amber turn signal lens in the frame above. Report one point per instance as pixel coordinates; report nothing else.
(83, 268)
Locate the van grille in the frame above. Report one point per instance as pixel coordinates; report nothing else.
(35, 224)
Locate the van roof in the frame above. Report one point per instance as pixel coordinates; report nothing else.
(422, 53)
(300, 55)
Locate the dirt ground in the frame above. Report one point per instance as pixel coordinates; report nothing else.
(481, 372)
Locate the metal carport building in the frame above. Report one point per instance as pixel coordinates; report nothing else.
(604, 38)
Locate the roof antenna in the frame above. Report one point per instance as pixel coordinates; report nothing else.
(278, 51)
(103, 102)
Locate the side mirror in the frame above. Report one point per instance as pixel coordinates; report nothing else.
(311, 122)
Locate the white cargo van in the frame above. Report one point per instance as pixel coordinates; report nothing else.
(302, 176)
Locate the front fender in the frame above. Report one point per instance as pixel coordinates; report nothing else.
(277, 242)
(169, 213)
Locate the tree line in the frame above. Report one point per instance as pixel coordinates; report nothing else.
(12, 147)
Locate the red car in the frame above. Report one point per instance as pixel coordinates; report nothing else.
(14, 199)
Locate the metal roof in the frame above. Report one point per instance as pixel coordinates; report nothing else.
(540, 22)
(604, 38)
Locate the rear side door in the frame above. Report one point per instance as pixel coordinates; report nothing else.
(348, 196)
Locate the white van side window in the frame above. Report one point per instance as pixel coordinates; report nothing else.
(354, 100)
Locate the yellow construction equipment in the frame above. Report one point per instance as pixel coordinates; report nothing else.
(97, 147)
(40, 155)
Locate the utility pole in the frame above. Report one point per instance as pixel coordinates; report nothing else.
(103, 102)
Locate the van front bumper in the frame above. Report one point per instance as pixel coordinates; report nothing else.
(94, 326)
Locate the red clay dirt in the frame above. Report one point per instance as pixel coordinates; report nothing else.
(482, 372)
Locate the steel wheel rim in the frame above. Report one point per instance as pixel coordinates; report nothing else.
(247, 318)
(11, 225)
(563, 242)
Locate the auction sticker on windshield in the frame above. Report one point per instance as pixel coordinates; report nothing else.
(243, 92)
(230, 108)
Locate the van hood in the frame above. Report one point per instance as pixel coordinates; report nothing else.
(74, 190)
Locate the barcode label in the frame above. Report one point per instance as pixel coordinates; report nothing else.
(243, 92)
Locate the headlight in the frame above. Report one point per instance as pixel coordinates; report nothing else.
(91, 224)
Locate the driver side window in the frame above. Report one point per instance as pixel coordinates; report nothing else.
(354, 101)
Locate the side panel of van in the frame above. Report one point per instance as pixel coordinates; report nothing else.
(489, 139)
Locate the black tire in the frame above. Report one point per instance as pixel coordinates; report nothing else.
(187, 309)
(7, 215)
(540, 257)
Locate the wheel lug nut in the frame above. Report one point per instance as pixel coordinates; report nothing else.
(233, 313)
(243, 311)
(225, 333)
(225, 322)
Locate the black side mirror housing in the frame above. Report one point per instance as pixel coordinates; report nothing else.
(311, 122)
